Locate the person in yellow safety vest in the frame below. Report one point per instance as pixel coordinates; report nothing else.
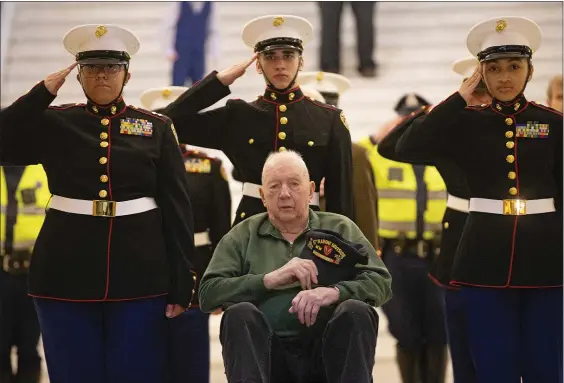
(24, 193)
(411, 204)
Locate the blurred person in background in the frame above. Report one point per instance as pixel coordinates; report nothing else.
(330, 52)
(554, 93)
(24, 194)
(411, 205)
(209, 189)
(327, 88)
(190, 34)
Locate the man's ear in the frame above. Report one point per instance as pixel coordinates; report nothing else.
(262, 196)
(127, 78)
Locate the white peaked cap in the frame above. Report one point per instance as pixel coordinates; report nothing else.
(325, 81)
(272, 26)
(465, 66)
(506, 30)
(158, 98)
(96, 37)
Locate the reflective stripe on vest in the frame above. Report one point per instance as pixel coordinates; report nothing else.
(31, 216)
(397, 204)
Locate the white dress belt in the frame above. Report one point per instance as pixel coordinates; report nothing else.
(512, 206)
(252, 190)
(457, 203)
(202, 239)
(102, 208)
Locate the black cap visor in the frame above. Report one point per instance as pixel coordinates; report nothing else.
(102, 57)
(279, 43)
(505, 51)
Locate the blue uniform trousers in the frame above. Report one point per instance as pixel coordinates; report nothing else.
(189, 65)
(415, 312)
(190, 347)
(515, 333)
(459, 344)
(105, 342)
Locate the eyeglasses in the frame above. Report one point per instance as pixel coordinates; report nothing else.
(92, 70)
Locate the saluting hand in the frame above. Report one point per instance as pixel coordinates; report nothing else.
(228, 76)
(55, 81)
(469, 86)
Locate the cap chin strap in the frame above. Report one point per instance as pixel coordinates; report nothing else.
(114, 101)
(270, 85)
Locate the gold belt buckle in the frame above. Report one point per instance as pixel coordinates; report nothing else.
(101, 208)
(514, 207)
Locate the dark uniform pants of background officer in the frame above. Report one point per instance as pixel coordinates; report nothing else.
(341, 351)
(415, 312)
(19, 327)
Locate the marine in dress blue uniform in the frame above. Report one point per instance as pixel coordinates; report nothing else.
(189, 332)
(509, 260)
(281, 119)
(117, 244)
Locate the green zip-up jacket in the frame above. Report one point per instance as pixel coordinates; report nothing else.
(254, 248)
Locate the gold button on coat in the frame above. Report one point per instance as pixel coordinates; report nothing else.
(103, 160)
(104, 178)
(103, 194)
(310, 143)
(282, 108)
(508, 121)
(104, 144)
(251, 141)
(282, 135)
(509, 134)
(511, 175)
(283, 120)
(243, 215)
(103, 135)
(513, 191)
(282, 149)
(446, 225)
(510, 158)
(105, 121)
(510, 144)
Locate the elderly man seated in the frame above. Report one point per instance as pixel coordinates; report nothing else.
(298, 287)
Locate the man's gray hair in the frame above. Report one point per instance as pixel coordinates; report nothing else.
(286, 156)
